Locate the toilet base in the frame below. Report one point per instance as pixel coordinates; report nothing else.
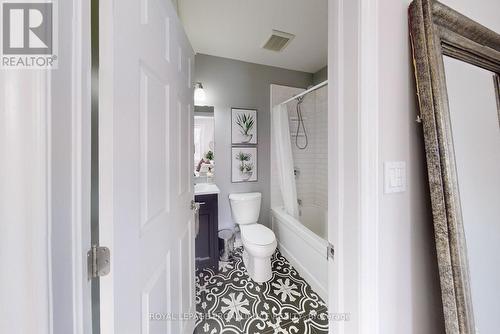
(258, 268)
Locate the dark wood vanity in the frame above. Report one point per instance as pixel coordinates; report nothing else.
(207, 247)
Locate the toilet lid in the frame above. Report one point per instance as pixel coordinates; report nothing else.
(258, 234)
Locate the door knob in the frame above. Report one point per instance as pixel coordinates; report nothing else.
(195, 206)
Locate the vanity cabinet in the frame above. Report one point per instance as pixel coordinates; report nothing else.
(207, 247)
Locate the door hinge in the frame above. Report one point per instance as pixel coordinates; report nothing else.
(330, 252)
(98, 262)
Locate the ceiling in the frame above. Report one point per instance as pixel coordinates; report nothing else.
(238, 29)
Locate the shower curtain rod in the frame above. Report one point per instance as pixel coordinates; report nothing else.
(306, 92)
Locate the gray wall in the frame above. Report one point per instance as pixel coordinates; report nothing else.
(410, 297)
(232, 83)
(320, 76)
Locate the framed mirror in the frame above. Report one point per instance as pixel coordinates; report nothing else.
(204, 144)
(457, 67)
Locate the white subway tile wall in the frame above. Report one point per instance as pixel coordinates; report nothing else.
(311, 162)
(321, 150)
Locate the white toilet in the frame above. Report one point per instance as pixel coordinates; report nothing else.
(259, 242)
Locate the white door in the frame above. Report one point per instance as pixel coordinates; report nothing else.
(145, 142)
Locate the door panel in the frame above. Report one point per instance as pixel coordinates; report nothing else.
(145, 159)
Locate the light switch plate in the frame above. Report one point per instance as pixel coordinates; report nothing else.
(394, 177)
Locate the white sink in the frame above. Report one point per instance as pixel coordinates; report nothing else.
(205, 189)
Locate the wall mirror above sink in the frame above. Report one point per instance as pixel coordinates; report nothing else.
(457, 67)
(204, 144)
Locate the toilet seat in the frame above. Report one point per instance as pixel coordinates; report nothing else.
(257, 234)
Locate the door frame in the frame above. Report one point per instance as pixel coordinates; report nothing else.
(369, 173)
(80, 165)
(346, 36)
(106, 95)
(77, 72)
(354, 182)
(49, 166)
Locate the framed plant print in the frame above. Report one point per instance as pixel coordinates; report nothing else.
(244, 164)
(243, 126)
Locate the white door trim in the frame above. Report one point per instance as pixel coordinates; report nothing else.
(106, 115)
(369, 166)
(35, 145)
(354, 129)
(25, 201)
(335, 167)
(80, 166)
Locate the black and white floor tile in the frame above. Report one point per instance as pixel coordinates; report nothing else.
(230, 302)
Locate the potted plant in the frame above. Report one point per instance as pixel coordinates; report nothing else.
(246, 123)
(246, 171)
(245, 167)
(209, 156)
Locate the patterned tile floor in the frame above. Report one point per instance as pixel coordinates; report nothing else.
(230, 302)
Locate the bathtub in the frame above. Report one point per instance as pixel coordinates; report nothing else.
(304, 244)
(315, 219)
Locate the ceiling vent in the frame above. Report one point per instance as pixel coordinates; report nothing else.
(278, 41)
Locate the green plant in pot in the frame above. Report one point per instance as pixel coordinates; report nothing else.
(246, 168)
(209, 155)
(246, 123)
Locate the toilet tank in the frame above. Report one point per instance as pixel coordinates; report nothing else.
(245, 207)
